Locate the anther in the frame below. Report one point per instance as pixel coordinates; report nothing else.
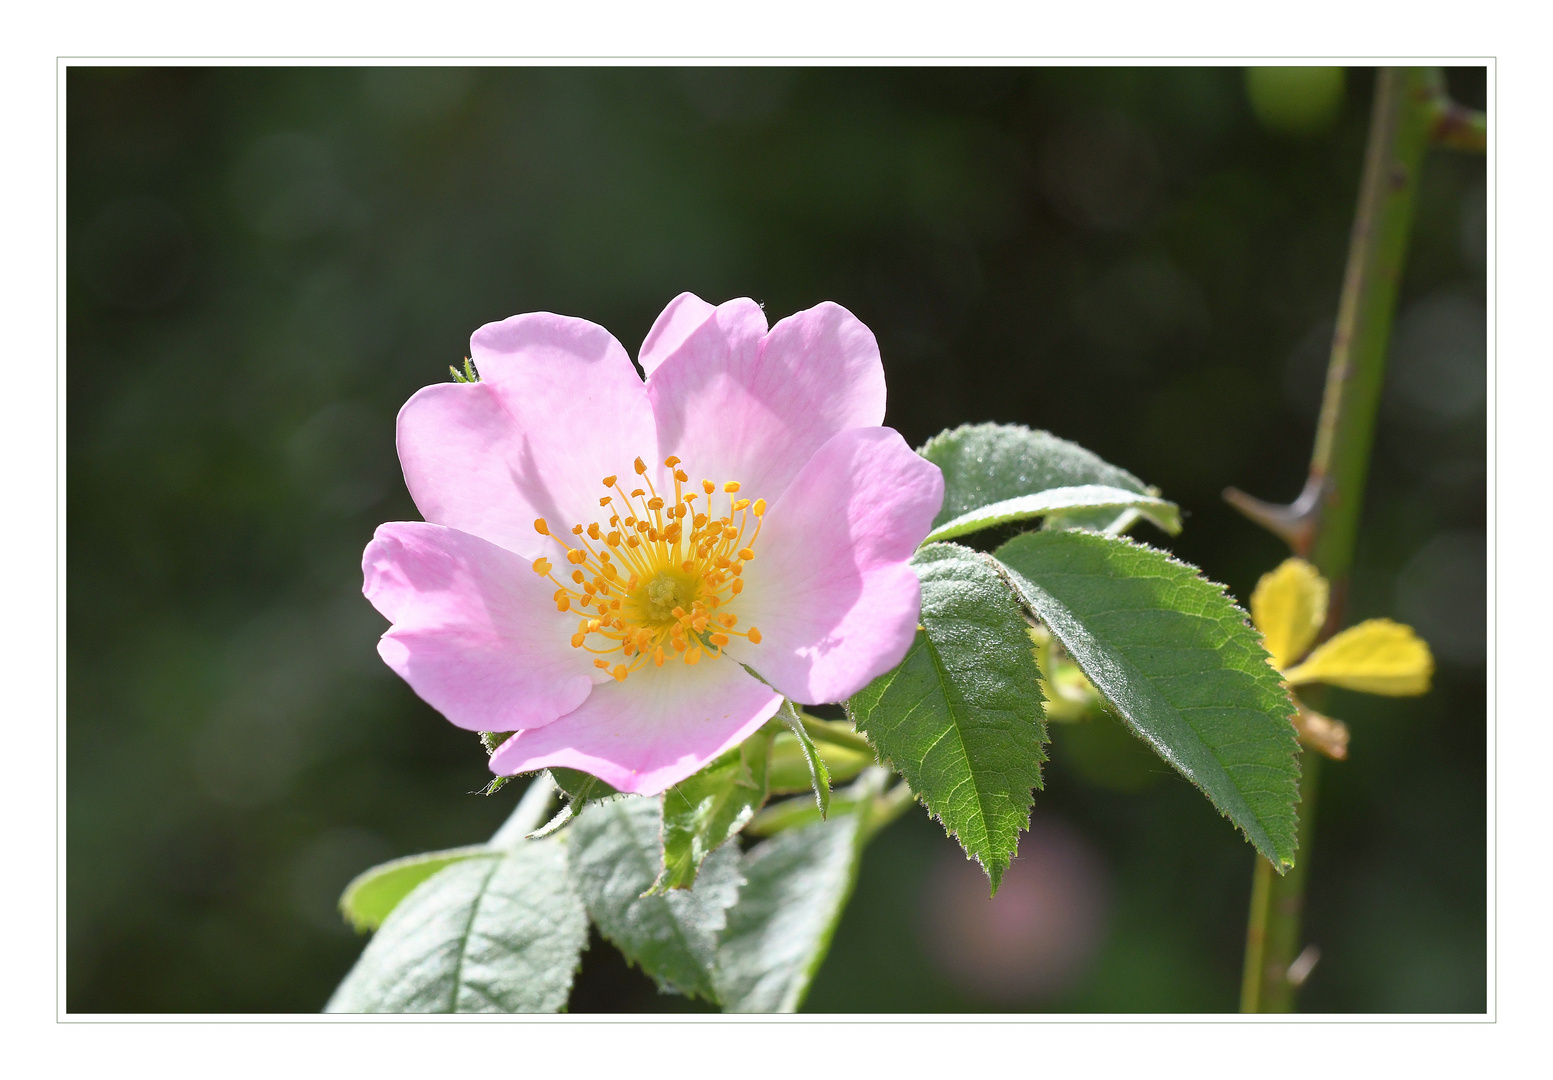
(578, 639)
(562, 604)
(620, 673)
(740, 505)
(708, 487)
(671, 461)
(604, 500)
(593, 531)
(759, 508)
(730, 487)
(576, 530)
(655, 503)
(541, 566)
(681, 476)
(754, 636)
(540, 527)
(746, 554)
(609, 481)
(641, 467)
(604, 664)
(578, 577)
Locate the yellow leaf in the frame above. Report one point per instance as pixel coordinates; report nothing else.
(1288, 607)
(1378, 656)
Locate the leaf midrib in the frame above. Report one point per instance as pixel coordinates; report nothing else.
(955, 708)
(463, 940)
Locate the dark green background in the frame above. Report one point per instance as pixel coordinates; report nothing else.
(264, 264)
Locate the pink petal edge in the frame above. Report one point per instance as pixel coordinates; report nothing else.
(684, 315)
(475, 633)
(830, 588)
(651, 731)
(739, 403)
(559, 407)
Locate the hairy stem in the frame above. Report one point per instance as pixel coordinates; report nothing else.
(1405, 113)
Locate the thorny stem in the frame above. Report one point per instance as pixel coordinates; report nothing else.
(1406, 114)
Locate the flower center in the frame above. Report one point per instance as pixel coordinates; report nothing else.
(653, 584)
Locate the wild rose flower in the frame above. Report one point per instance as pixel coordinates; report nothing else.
(603, 556)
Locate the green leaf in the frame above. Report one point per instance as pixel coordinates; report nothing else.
(1063, 503)
(1178, 662)
(985, 464)
(374, 893)
(615, 855)
(703, 812)
(819, 774)
(796, 886)
(481, 935)
(498, 930)
(580, 789)
(961, 716)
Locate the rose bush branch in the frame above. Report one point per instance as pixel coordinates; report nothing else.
(1322, 524)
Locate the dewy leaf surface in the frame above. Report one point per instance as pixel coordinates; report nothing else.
(796, 885)
(615, 857)
(704, 811)
(481, 935)
(989, 463)
(1108, 502)
(1177, 660)
(961, 716)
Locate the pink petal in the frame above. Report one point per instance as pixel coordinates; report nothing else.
(738, 406)
(559, 408)
(475, 631)
(651, 731)
(685, 313)
(829, 588)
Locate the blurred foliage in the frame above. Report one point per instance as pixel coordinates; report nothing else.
(264, 264)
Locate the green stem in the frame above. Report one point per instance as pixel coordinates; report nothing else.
(835, 733)
(1266, 986)
(1405, 110)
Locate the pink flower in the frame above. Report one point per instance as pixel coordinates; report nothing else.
(602, 557)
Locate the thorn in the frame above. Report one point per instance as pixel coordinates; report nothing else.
(1295, 523)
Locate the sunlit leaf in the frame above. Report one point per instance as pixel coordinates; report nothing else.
(984, 464)
(796, 886)
(1106, 502)
(374, 893)
(481, 935)
(1378, 657)
(1178, 662)
(704, 811)
(961, 716)
(1288, 606)
(615, 857)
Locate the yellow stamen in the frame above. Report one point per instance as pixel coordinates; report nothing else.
(678, 572)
